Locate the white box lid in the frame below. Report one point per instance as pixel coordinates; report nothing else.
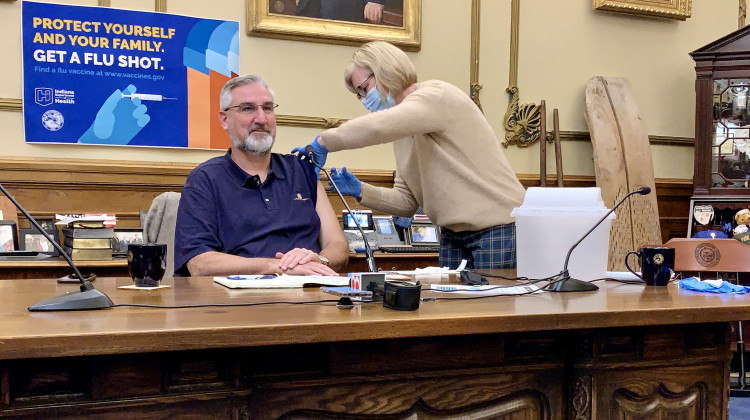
(562, 202)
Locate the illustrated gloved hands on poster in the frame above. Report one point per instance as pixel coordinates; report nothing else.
(119, 119)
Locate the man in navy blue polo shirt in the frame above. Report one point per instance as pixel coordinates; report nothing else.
(252, 211)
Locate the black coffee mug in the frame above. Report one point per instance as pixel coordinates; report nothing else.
(147, 263)
(657, 264)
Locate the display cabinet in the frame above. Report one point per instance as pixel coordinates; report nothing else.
(721, 177)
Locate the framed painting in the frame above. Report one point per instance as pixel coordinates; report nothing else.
(675, 9)
(348, 22)
(32, 240)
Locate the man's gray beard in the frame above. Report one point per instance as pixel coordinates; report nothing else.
(255, 143)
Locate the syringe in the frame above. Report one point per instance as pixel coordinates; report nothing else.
(147, 97)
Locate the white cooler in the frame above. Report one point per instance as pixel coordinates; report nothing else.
(550, 221)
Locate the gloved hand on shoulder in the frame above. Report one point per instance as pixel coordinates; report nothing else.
(320, 153)
(348, 183)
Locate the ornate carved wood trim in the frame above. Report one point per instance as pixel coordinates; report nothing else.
(11, 104)
(309, 122)
(474, 86)
(582, 398)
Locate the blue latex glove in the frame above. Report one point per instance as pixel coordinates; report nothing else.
(348, 184)
(319, 152)
(692, 283)
(118, 120)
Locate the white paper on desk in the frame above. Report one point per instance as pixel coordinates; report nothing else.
(281, 282)
(622, 275)
(485, 290)
(428, 271)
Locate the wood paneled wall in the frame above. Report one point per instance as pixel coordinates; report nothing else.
(48, 186)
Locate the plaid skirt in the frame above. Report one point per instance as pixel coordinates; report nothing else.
(494, 247)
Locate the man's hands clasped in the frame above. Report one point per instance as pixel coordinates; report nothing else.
(303, 262)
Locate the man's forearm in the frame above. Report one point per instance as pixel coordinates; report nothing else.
(337, 254)
(220, 264)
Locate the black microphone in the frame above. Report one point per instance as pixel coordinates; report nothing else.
(87, 298)
(368, 250)
(563, 282)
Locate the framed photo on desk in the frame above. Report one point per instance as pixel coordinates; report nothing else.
(32, 240)
(123, 237)
(8, 235)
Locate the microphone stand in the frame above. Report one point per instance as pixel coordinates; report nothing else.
(87, 298)
(563, 282)
(368, 250)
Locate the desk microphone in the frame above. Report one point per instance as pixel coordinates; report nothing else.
(563, 282)
(368, 250)
(87, 298)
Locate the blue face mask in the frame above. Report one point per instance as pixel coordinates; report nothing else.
(373, 103)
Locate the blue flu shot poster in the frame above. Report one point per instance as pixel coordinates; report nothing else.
(105, 76)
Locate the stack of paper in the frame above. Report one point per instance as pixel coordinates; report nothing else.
(281, 282)
(88, 220)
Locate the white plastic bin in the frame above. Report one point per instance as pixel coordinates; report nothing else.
(550, 221)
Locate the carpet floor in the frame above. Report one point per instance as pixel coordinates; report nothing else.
(739, 408)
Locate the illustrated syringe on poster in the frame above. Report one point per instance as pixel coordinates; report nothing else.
(148, 97)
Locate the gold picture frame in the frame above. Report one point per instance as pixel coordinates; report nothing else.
(675, 9)
(284, 25)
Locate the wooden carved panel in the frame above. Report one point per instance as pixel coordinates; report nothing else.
(661, 372)
(661, 404)
(515, 407)
(450, 394)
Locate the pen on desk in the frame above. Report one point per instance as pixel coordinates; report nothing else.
(259, 277)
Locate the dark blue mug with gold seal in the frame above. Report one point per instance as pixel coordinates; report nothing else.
(657, 264)
(147, 263)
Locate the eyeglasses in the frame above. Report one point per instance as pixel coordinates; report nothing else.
(362, 88)
(249, 108)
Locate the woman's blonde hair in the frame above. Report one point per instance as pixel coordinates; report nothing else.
(391, 66)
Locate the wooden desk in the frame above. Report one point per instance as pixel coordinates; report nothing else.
(623, 351)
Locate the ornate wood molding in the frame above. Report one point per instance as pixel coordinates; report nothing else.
(742, 14)
(11, 104)
(474, 85)
(309, 122)
(521, 121)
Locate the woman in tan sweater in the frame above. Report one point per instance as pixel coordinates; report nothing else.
(448, 159)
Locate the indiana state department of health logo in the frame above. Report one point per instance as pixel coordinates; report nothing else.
(43, 96)
(52, 120)
(707, 254)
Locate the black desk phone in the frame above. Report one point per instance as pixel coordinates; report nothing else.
(385, 230)
(379, 230)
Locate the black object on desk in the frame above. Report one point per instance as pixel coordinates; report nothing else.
(469, 278)
(404, 249)
(22, 256)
